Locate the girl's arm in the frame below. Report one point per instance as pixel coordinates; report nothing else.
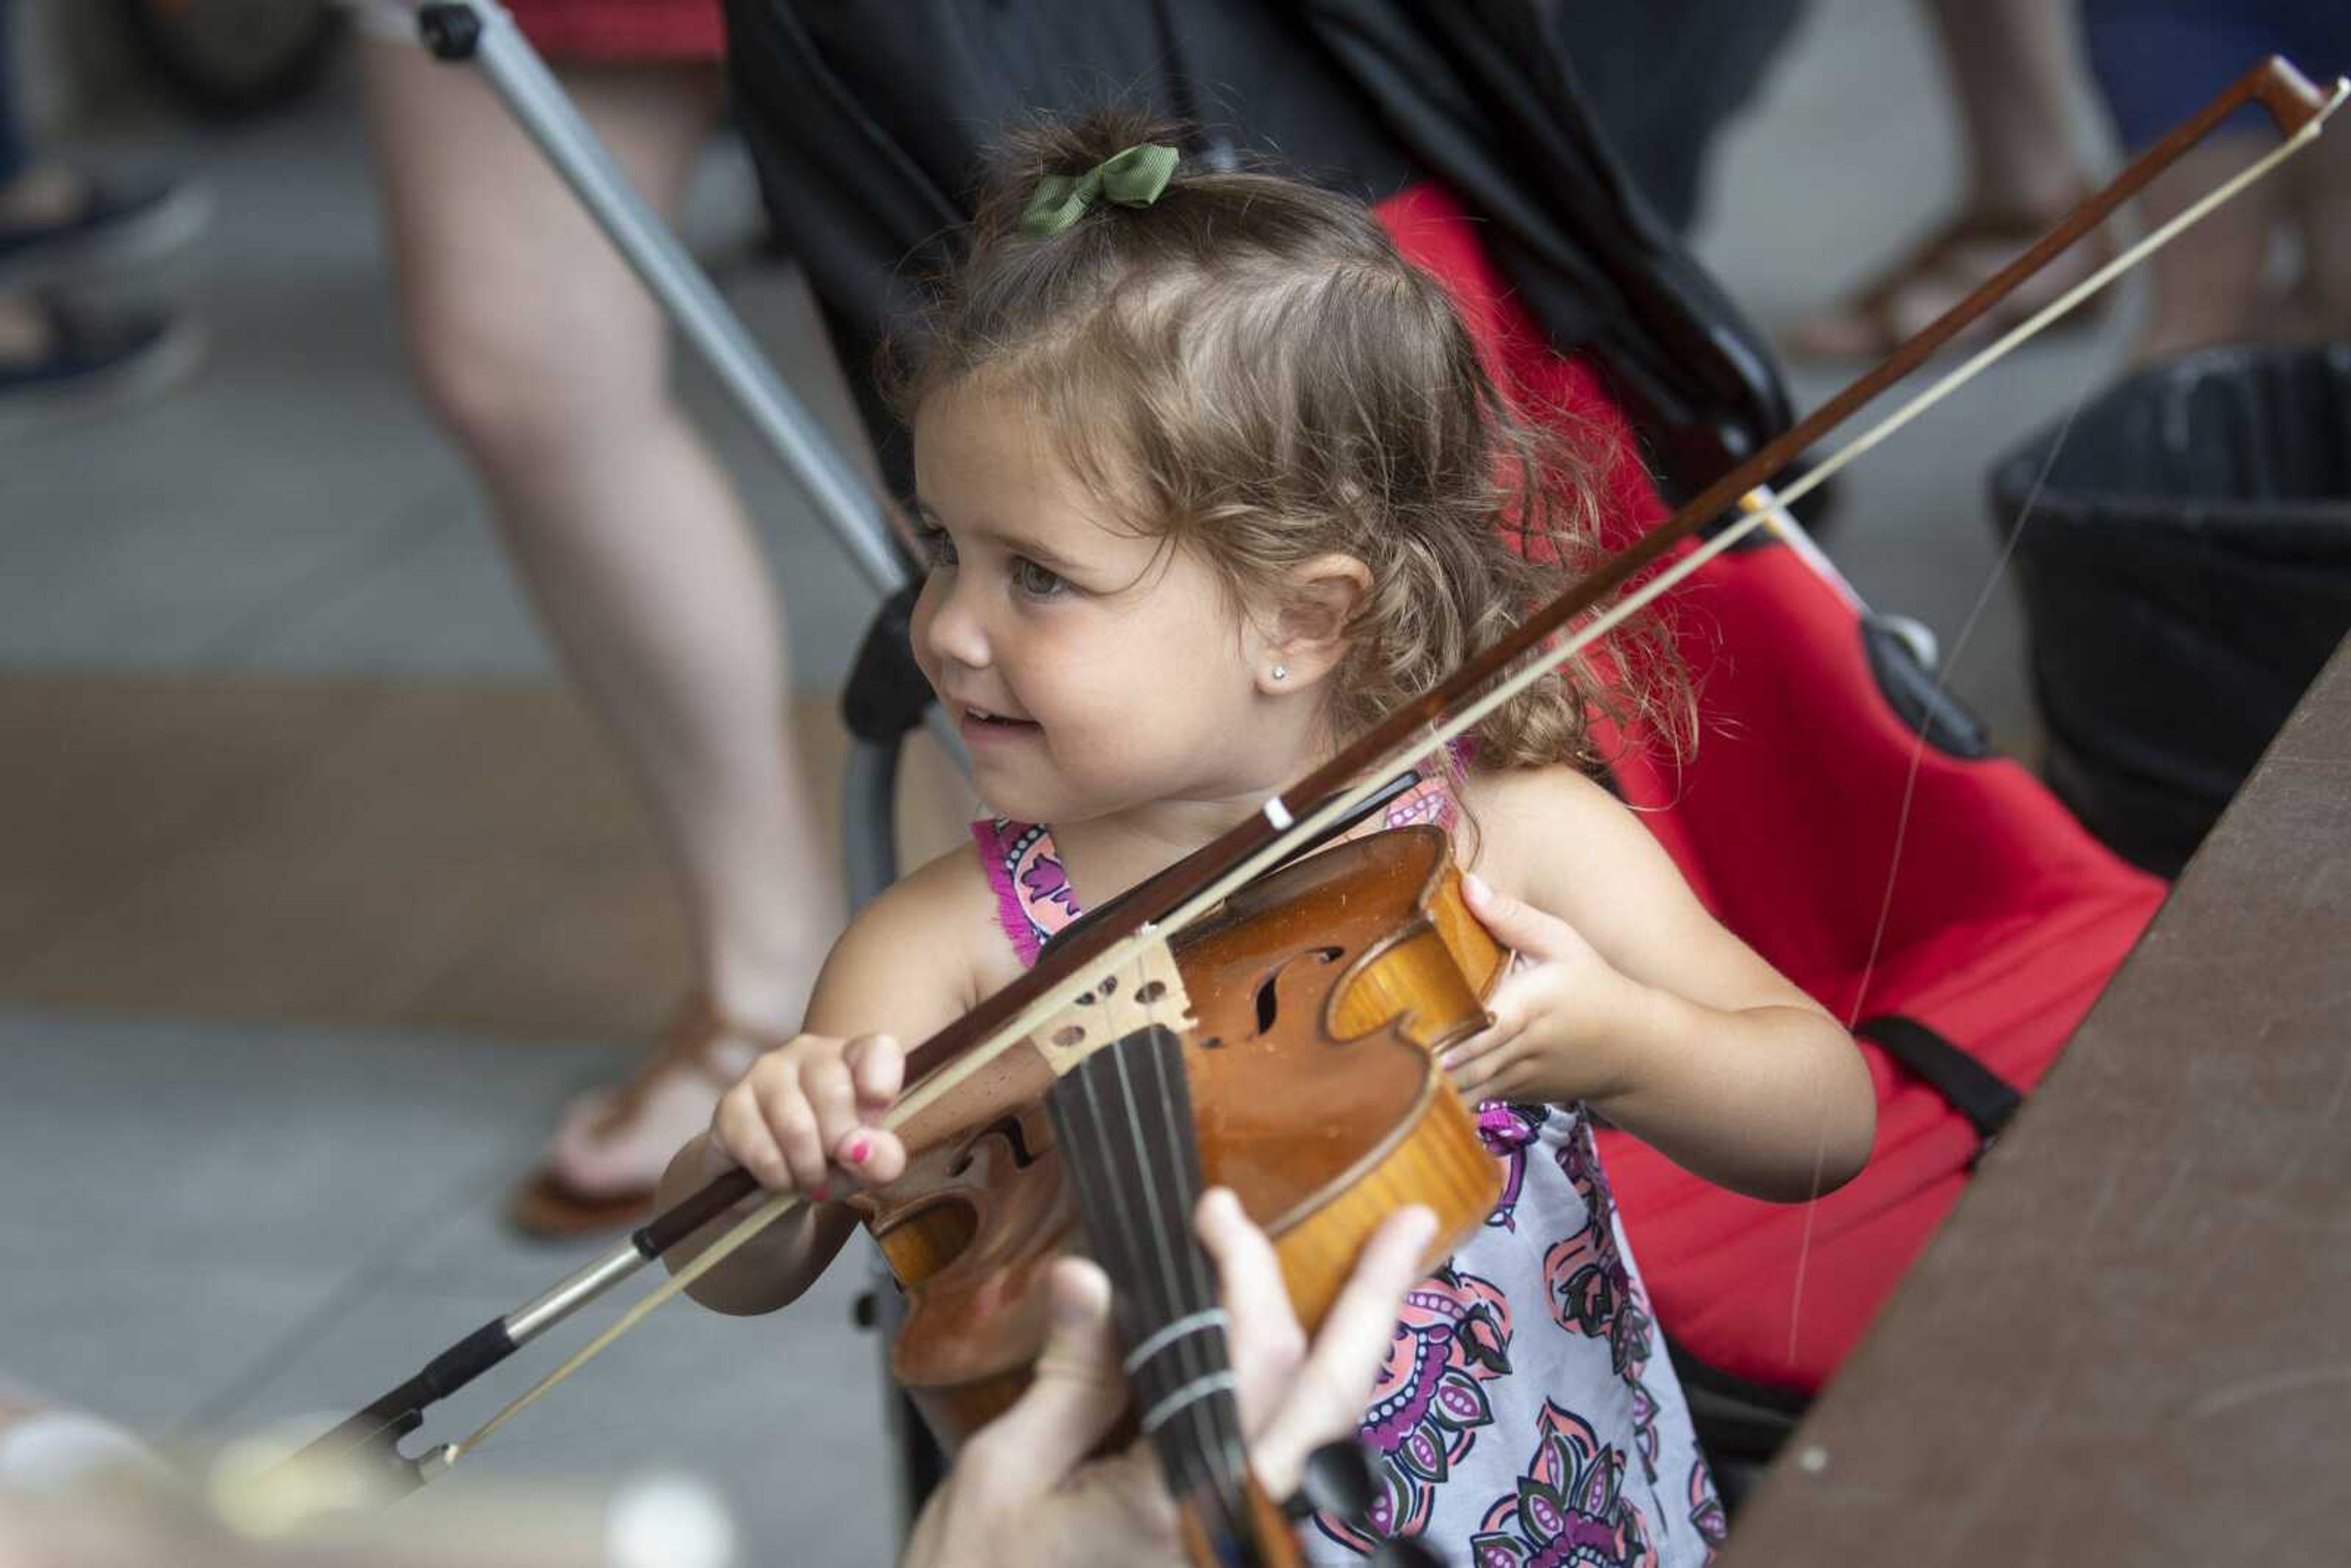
(903, 969)
(1630, 996)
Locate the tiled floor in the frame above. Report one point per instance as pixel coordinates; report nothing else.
(269, 940)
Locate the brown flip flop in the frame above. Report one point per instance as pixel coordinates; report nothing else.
(548, 1206)
(1948, 264)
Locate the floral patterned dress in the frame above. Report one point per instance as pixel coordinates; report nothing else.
(1526, 1415)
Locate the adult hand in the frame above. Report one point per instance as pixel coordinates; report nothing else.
(1021, 1493)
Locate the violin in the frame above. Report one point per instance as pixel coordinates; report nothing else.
(1276, 1033)
(1333, 983)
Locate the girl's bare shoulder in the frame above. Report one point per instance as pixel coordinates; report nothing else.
(1521, 808)
(931, 941)
(1543, 834)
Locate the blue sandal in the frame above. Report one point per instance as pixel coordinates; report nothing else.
(95, 362)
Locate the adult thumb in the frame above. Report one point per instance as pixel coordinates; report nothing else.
(1076, 1393)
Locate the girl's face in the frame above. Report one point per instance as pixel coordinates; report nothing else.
(1089, 670)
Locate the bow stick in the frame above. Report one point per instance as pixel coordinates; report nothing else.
(1174, 898)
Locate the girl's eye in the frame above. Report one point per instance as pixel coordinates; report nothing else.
(1036, 581)
(938, 549)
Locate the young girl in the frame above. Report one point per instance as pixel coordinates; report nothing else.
(1212, 478)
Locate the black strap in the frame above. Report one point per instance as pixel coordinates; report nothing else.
(887, 692)
(1985, 1098)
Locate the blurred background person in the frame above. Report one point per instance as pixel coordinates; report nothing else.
(2012, 71)
(2274, 263)
(549, 364)
(58, 224)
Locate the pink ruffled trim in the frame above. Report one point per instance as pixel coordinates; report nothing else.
(993, 836)
(1026, 919)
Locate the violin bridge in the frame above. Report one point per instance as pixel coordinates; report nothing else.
(1144, 989)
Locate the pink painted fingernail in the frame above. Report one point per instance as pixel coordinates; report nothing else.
(856, 1149)
(822, 1192)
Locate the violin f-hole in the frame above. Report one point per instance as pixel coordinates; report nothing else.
(1016, 1139)
(1269, 999)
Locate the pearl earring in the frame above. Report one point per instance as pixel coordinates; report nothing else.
(1281, 671)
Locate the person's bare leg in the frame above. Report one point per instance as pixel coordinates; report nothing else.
(548, 361)
(2322, 203)
(2012, 80)
(2012, 74)
(2208, 284)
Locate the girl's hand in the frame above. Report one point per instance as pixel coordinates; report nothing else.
(808, 1108)
(1554, 1034)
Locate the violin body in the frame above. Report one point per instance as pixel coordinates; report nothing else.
(1320, 996)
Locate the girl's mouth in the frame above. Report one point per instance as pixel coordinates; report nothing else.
(979, 724)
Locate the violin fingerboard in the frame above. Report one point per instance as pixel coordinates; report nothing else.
(1122, 1117)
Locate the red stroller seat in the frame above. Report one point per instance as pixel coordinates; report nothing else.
(2003, 921)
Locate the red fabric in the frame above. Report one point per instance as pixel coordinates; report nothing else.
(622, 31)
(2004, 921)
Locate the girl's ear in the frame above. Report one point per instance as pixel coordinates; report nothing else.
(1309, 633)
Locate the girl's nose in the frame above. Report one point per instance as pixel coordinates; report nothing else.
(946, 623)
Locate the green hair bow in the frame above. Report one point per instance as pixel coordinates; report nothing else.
(1132, 179)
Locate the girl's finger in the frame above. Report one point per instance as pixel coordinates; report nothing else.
(831, 1097)
(878, 1067)
(1487, 1073)
(871, 1156)
(1502, 1027)
(791, 1122)
(1515, 923)
(1326, 1399)
(741, 1134)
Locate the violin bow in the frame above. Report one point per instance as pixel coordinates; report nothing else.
(1175, 897)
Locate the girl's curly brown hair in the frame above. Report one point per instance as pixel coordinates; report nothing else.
(1248, 367)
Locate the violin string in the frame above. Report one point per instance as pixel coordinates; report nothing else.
(1168, 1208)
(1172, 1209)
(1126, 1235)
(1212, 1422)
(1133, 1189)
(1129, 1188)
(1114, 1230)
(1220, 1416)
(1943, 671)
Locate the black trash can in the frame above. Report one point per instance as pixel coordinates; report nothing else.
(2186, 569)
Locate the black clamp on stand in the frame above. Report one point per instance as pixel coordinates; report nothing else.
(449, 32)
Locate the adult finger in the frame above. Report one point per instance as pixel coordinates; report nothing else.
(1261, 1329)
(1071, 1403)
(1325, 1401)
